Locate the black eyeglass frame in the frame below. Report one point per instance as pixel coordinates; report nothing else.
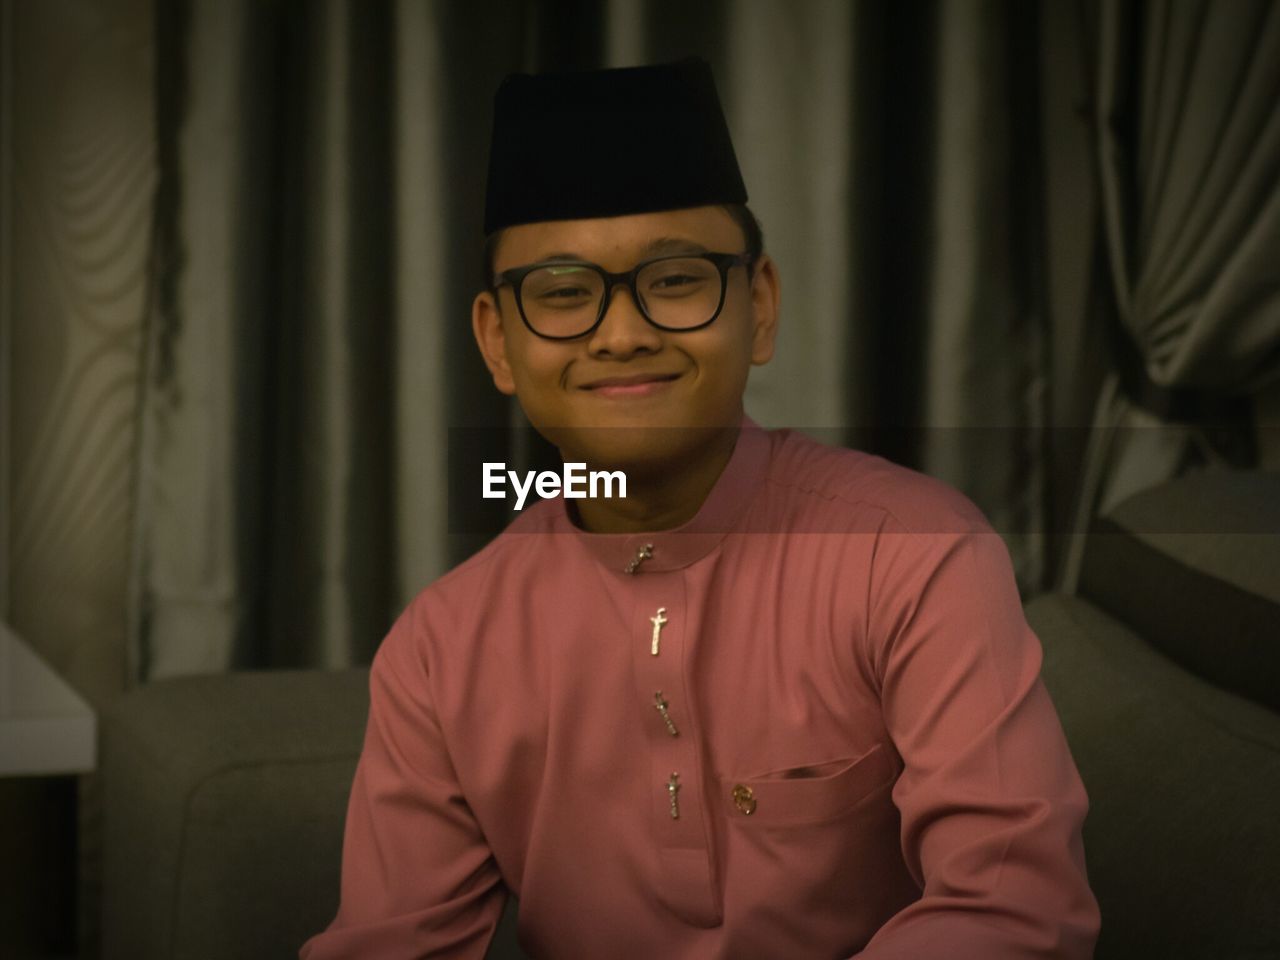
(724, 262)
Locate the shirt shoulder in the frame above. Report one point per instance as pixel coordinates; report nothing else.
(519, 552)
(821, 484)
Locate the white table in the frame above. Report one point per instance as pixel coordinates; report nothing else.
(46, 728)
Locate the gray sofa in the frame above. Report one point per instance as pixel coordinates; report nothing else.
(224, 801)
(225, 796)
(1165, 668)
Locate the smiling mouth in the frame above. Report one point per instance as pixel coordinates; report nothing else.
(633, 386)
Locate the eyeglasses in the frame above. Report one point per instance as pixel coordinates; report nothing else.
(566, 299)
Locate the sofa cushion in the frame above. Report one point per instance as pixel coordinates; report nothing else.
(225, 800)
(1181, 839)
(1194, 567)
(224, 804)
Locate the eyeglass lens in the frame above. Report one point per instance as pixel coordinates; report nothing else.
(564, 301)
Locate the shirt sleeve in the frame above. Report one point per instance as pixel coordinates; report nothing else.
(418, 878)
(991, 804)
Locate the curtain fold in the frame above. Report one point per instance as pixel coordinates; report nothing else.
(191, 495)
(421, 237)
(788, 86)
(328, 564)
(1189, 139)
(986, 366)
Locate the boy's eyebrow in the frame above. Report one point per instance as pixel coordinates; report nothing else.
(653, 247)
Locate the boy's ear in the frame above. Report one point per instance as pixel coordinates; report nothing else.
(486, 324)
(766, 293)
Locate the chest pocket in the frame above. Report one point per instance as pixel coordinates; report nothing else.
(807, 795)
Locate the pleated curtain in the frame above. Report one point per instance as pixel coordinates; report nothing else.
(1190, 160)
(317, 245)
(1188, 141)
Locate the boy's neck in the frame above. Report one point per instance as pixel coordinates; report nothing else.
(660, 500)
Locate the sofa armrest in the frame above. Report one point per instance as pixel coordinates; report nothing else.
(1182, 842)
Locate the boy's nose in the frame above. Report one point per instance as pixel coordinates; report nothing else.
(624, 330)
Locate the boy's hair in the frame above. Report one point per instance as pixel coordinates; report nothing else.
(740, 212)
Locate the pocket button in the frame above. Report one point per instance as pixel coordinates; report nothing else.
(744, 799)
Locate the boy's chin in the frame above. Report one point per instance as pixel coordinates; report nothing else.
(636, 450)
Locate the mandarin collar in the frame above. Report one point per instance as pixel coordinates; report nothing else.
(681, 546)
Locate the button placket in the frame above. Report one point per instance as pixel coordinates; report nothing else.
(661, 686)
(677, 802)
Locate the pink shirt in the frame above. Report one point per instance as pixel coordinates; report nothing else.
(840, 747)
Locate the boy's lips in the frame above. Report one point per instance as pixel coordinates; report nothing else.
(635, 385)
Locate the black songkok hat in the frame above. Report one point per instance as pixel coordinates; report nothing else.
(603, 143)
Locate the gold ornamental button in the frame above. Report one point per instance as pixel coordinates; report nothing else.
(744, 799)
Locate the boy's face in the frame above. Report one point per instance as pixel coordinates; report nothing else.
(600, 396)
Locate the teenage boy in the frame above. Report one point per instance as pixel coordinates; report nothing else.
(780, 701)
